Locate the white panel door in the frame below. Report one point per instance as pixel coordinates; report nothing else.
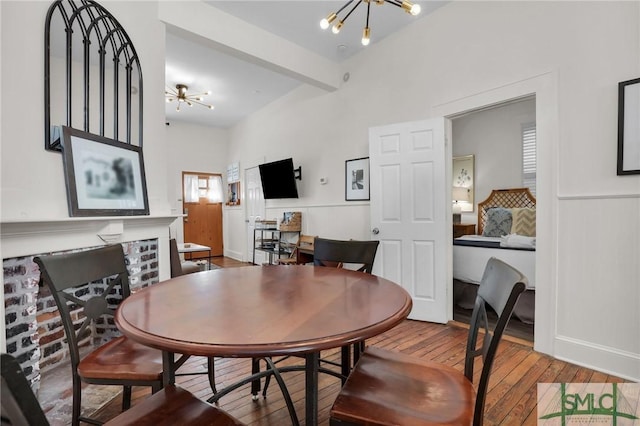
(409, 213)
(255, 210)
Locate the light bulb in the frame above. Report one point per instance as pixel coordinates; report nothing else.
(336, 27)
(324, 24)
(208, 92)
(366, 36)
(210, 106)
(411, 8)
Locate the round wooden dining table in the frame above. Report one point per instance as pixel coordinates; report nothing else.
(263, 311)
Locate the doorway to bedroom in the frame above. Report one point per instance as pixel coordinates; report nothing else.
(497, 147)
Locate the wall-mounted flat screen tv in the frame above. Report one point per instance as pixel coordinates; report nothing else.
(278, 179)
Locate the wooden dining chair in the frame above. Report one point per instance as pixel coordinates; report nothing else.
(337, 253)
(179, 267)
(119, 361)
(391, 388)
(170, 406)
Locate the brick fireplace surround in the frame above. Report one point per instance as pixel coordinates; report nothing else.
(33, 330)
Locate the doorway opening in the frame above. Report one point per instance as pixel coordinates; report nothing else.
(202, 199)
(501, 140)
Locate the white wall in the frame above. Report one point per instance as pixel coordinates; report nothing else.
(494, 138)
(192, 148)
(32, 178)
(469, 48)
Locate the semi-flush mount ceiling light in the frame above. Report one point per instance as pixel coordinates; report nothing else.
(405, 5)
(180, 95)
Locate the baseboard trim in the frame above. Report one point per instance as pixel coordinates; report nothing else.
(608, 360)
(236, 255)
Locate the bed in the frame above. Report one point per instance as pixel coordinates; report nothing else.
(471, 252)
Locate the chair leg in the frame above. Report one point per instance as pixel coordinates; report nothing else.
(77, 396)
(358, 348)
(255, 385)
(126, 397)
(346, 362)
(212, 374)
(267, 381)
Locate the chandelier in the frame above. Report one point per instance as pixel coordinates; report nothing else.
(180, 95)
(405, 5)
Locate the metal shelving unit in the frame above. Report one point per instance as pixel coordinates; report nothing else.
(271, 241)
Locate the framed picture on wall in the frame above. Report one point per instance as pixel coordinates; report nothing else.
(463, 177)
(104, 177)
(629, 127)
(357, 179)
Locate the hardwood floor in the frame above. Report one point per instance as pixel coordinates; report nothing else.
(227, 262)
(511, 398)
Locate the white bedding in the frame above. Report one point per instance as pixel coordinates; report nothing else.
(469, 262)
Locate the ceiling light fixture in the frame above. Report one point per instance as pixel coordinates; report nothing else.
(180, 95)
(407, 6)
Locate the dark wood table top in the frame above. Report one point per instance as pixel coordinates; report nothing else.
(262, 311)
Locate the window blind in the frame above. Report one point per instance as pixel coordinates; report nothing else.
(529, 163)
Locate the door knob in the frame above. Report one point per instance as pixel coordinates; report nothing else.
(375, 231)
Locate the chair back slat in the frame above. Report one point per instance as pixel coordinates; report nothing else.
(73, 269)
(328, 252)
(499, 289)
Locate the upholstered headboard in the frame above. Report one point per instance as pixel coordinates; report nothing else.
(506, 198)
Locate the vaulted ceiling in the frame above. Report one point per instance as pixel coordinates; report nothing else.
(243, 82)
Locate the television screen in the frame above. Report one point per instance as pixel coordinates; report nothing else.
(278, 180)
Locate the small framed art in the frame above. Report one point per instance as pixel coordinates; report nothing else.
(104, 177)
(357, 179)
(629, 127)
(463, 177)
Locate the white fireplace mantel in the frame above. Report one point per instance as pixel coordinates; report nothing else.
(34, 236)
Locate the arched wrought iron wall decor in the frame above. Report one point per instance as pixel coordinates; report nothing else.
(104, 49)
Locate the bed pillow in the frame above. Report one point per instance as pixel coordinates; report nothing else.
(524, 221)
(498, 223)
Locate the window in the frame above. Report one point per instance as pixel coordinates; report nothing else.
(529, 163)
(198, 186)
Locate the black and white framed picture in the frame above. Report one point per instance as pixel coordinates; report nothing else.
(357, 179)
(104, 177)
(629, 127)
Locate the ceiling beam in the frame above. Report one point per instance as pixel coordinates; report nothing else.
(240, 39)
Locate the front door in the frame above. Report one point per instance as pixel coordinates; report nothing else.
(409, 214)
(202, 204)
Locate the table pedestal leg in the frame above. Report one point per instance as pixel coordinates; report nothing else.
(311, 388)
